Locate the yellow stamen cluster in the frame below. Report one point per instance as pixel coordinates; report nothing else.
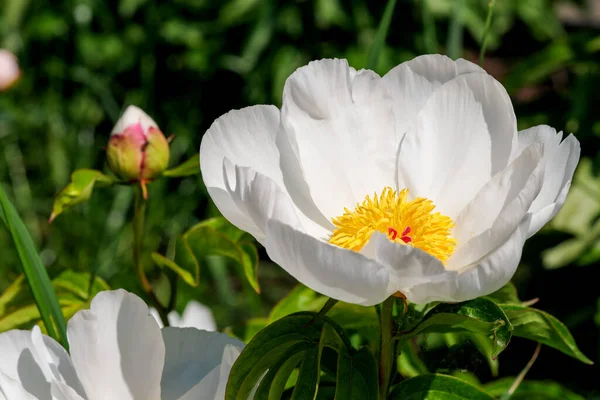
(409, 222)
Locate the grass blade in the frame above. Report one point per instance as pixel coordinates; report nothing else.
(34, 271)
(430, 42)
(455, 31)
(381, 35)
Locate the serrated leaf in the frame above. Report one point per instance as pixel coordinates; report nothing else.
(531, 390)
(35, 272)
(537, 325)
(480, 316)
(188, 168)
(78, 190)
(437, 387)
(215, 236)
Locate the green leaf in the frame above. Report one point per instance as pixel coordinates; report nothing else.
(537, 325)
(18, 310)
(355, 378)
(215, 236)
(479, 316)
(531, 390)
(188, 168)
(381, 35)
(437, 387)
(349, 316)
(507, 294)
(298, 340)
(78, 190)
(34, 271)
(454, 46)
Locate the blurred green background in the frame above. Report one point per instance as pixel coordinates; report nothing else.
(186, 62)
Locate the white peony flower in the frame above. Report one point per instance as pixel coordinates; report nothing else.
(9, 69)
(363, 186)
(195, 315)
(117, 352)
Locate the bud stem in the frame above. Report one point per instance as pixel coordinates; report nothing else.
(139, 214)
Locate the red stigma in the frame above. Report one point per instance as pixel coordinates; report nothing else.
(393, 233)
(405, 238)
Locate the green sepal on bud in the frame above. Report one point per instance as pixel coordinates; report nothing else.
(137, 150)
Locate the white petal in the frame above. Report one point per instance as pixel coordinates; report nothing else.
(247, 138)
(134, 115)
(496, 211)
(154, 313)
(117, 348)
(12, 389)
(411, 83)
(461, 138)
(195, 315)
(244, 138)
(9, 69)
(191, 357)
(261, 199)
(62, 391)
(36, 360)
(230, 354)
(333, 271)
(487, 276)
(337, 134)
(559, 163)
(408, 265)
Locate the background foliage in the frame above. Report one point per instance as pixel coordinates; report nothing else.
(186, 62)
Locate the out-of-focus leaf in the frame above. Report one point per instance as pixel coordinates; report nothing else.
(349, 316)
(18, 310)
(540, 16)
(436, 386)
(542, 327)
(35, 272)
(189, 167)
(530, 390)
(78, 190)
(381, 35)
(454, 45)
(409, 362)
(480, 316)
(539, 66)
(298, 340)
(215, 236)
(507, 294)
(577, 217)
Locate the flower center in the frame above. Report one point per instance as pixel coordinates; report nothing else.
(412, 223)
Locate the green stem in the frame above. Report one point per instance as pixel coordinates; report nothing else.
(386, 349)
(139, 215)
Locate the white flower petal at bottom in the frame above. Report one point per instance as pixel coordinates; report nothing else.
(194, 362)
(113, 360)
(195, 315)
(12, 389)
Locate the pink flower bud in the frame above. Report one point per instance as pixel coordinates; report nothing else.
(9, 69)
(137, 150)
